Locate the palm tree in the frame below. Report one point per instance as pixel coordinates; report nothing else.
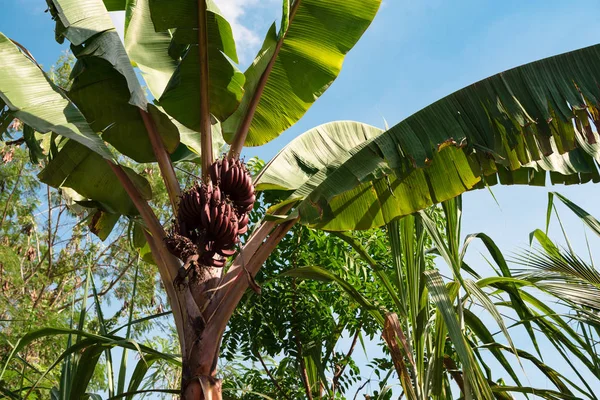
(514, 126)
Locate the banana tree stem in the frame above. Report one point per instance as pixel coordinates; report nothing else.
(205, 123)
(164, 161)
(168, 266)
(240, 136)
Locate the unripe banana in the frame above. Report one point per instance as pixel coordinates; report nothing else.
(224, 167)
(218, 263)
(226, 253)
(246, 202)
(205, 216)
(215, 172)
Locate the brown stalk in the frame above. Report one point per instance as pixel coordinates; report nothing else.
(205, 123)
(234, 284)
(242, 132)
(391, 338)
(12, 192)
(344, 364)
(163, 159)
(451, 367)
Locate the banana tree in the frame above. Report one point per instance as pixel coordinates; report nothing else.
(339, 176)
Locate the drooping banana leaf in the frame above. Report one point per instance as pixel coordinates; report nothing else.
(314, 41)
(82, 170)
(320, 148)
(35, 100)
(536, 116)
(105, 87)
(180, 95)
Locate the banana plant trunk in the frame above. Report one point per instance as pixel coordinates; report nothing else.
(203, 308)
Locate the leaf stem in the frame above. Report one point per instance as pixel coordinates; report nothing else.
(205, 123)
(168, 266)
(163, 159)
(235, 282)
(240, 137)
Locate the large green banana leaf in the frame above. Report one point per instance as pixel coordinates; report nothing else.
(174, 34)
(317, 149)
(41, 105)
(105, 87)
(35, 100)
(316, 39)
(147, 48)
(82, 170)
(537, 116)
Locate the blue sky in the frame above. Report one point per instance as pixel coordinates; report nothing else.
(414, 53)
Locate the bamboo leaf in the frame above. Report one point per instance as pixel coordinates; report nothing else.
(585, 216)
(138, 374)
(440, 297)
(484, 335)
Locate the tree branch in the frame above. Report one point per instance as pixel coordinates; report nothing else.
(344, 363)
(257, 353)
(163, 159)
(49, 195)
(205, 123)
(361, 387)
(16, 142)
(240, 136)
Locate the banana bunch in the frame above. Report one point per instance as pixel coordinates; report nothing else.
(235, 181)
(212, 216)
